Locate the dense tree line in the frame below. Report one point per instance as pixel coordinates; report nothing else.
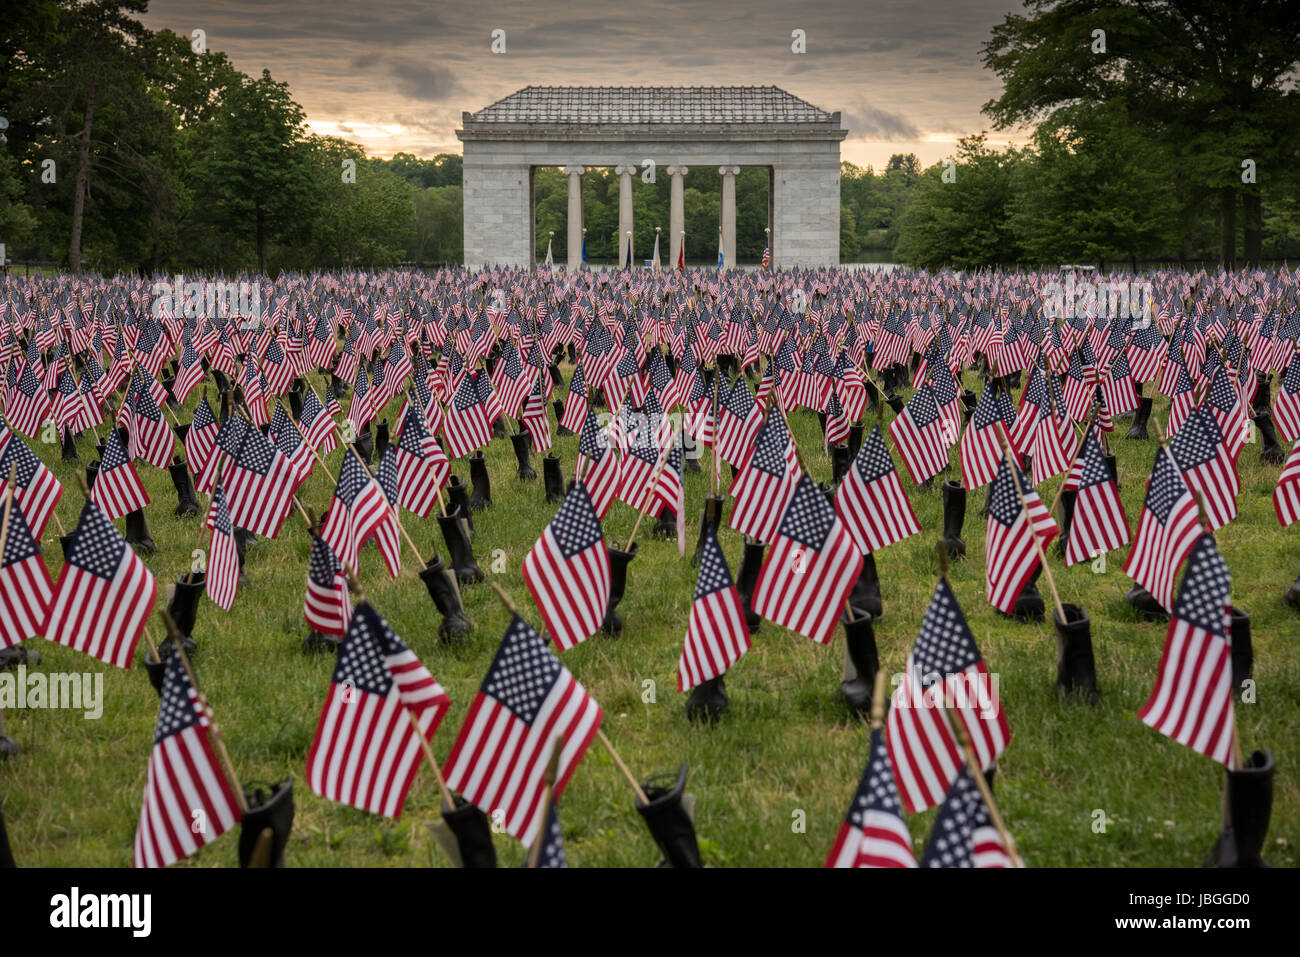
(1174, 141)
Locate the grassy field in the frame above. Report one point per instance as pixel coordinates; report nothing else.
(788, 744)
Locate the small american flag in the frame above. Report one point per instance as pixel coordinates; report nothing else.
(1166, 531)
(1286, 497)
(385, 528)
(201, 443)
(359, 505)
(36, 490)
(716, 635)
(980, 449)
(151, 437)
(963, 833)
(922, 435)
(27, 404)
(1099, 523)
(327, 608)
(254, 392)
(117, 489)
(467, 427)
(361, 410)
(1286, 410)
(1192, 699)
(922, 746)
(871, 501)
(535, 420)
(317, 425)
(1207, 466)
(1009, 550)
(223, 559)
(766, 481)
(422, 468)
(185, 786)
(811, 568)
(575, 403)
(551, 854)
(261, 484)
(366, 751)
(567, 571)
(101, 572)
(285, 436)
(873, 833)
(25, 586)
(739, 419)
(604, 475)
(527, 700)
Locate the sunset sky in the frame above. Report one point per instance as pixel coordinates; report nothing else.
(395, 75)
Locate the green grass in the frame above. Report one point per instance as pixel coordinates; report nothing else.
(788, 744)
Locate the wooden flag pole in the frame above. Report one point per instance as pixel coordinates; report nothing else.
(392, 506)
(878, 700)
(1038, 545)
(548, 799)
(316, 455)
(510, 607)
(228, 766)
(9, 507)
(977, 772)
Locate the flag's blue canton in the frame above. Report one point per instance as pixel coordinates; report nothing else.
(552, 854)
(770, 445)
(381, 373)
(386, 474)
(1004, 499)
(986, 412)
(1119, 369)
(149, 338)
(1203, 597)
(114, 453)
(740, 401)
(941, 382)
(834, 409)
(628, 366)
(324, 565)
(575, 526)
(1007, 408)
(311, 409)
(413, 433)
(1147, 337)
(257, 453)
(361, 386)
(922, 409)
(578, 384)
(221, 512)
(97, 546)
(19, 545)
(714, 574)
(28, 383)
(1165, 487)
(1222, 395)
(466, 395)
(785, 357)
(482, 386)
(1197, 442)
(176, 707)
(230, 437)
(962, 813)
(523, 671)
(67, 386)
(592, 443)
(1094, 471)
(809, 517)
(146, 407)
(945, 645)
(701, 386)
(876, 790)
(1075, 369)
(361, 656)
(1036, 391)
(274, 353)
(510, 361)
(352, 479)
(282, 428)
(873, 461)
(1291, 383)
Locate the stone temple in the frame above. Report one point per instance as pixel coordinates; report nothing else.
(718, 127)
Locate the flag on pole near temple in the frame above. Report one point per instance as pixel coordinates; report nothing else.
(185, 783)
(766, 481)
(871, 501)
(422, 468)
(963, 834)
(681, 253)
(810, 569)
(654, 261)
(467, 427)
(327, 608)
(603, 475)
(922, 435)
(367, 751)
(222, 580)
(1166, 531)
(922, 747)
(101, 571)
(567, 571)
(25, 586)
(873, 833)
(1099, 523)
(117, 489)
(501, 755)
(716, 634)
(1009, 551)
(358, 504)
(1192, 699)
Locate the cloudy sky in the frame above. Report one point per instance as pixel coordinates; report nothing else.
(395, 75)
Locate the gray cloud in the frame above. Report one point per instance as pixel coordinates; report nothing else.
(867, 122)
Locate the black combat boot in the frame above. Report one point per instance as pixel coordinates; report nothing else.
(458, 498)
(264, 830)
(556, 378)
(16, 655)
(895, 402)
(1243, 654)
(954, 517)
(668, 821)
(187, 502)
(473, 833)
(968, 403)
(1076, 671)
(318, 641)
(751, 563)
(1270, 452)
(1029, 604)
(6, 855)
(137, 532)
(520, 441)
(70, 447)
(866, 590)
(1140, 420)
(1292, 594)
(841, 459)
(1145, 604)
(553, 479)
(381, 438)
(437, 579)
(297, 391)
(861, 660)
(365, 443)
(1068, 498)
(558, 405)
(665, 525)
(618, 562)
(456, 536)
(1113, 466)
(481, 497)
(243, 538)
(498, 428)
(1248, 805)
(709, 518)
(708, 701)
(184, 604)
(855, 440)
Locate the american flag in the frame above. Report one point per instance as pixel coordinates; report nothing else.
(1225, 403)
(361, 410)
(1286, 410)
(535, 419)
(551, 854)
(101, 572)
(811, 568)
(567, 571)
(254, 392)
(1099, 523)
(185, 786)
(36, 489)
(922, 435)
(1192, 699)
(25, 586)
(151, 437)
(117, 489)
(922, 746)
(201, 444)
(226, 445)
(327, 607)
(963, 834)
(873, 833)
(980, 449)
(739, 419)
(1286, 497)
(1166, 531)
(260, 483)
(223, 559)
(422, 468)
(359, 505)
(367, 750)
(766, 481)
(284, 435)
(1117, 389)
(575, 403)
(639, 467)
(467, 427)
(1009, 549)
(27, 404)
(527, 700)
(1207, 466)
(716, 634)
(386, 529)
(871, 501)
(317, 425)
(604, 475)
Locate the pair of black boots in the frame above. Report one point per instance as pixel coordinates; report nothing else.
(183, 609)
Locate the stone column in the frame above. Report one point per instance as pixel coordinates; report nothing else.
(676, 213)
(624, 210)
(728, 174)
(575, 215)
